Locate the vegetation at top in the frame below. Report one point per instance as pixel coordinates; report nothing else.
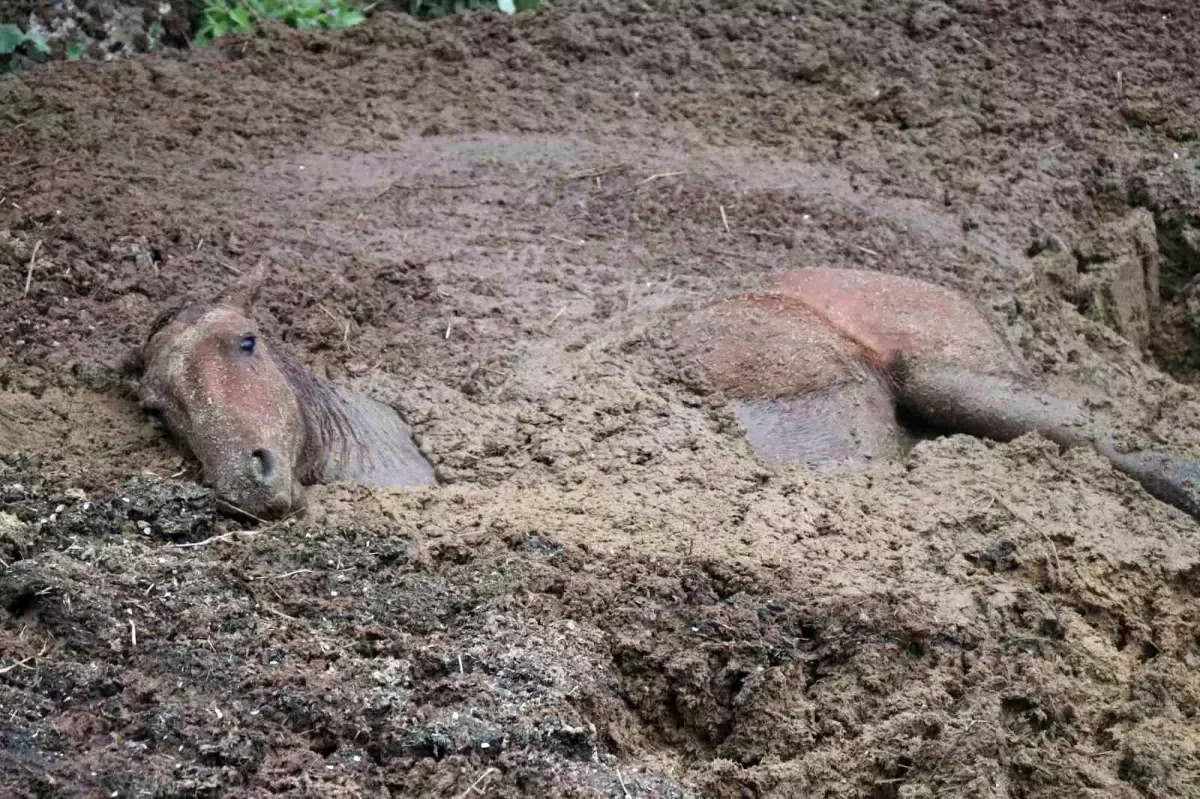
(15, 42)
(427, 9)
(220, 17)
(13, 39)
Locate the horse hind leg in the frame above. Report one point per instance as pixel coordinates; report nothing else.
(1003, 408)
(844, 426)
(998, 407)
(1174, 480)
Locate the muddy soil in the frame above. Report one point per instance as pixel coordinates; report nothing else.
(490, 222)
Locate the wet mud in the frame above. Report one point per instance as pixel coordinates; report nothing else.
(491, 223)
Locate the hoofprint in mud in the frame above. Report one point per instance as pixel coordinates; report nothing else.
(608, 594)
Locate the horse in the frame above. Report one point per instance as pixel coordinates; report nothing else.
(821, 366)
(261, 424)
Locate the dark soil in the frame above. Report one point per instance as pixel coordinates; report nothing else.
(489, 221)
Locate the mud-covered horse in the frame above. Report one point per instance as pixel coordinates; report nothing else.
(817, 366)
(262, 425)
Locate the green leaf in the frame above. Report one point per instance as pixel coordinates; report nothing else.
(75, 51)
(528, 5)
(241, 18)
(10, 38)
(38, 43)
(220, 16)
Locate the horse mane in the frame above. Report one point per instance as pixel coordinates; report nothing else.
(324, 412)
(133, 363)
(165, 318)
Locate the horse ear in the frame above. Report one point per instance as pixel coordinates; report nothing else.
(252, 286)
(244, 293)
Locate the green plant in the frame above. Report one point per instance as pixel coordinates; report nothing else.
(154, 36)
(13, 38)
(76, 51)
(427, 9)
(221, 17)
(15, 42)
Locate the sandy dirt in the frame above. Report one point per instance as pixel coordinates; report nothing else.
(491, 223)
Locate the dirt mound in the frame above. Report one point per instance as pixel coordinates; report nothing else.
(490, 222)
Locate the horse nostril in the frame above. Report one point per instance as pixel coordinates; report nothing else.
(264, 464)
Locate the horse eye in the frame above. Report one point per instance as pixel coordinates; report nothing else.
(154, 412)
(247, 345)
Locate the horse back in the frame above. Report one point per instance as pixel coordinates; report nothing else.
(888, 314)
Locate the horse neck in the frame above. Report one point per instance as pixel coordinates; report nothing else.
(352, 437)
